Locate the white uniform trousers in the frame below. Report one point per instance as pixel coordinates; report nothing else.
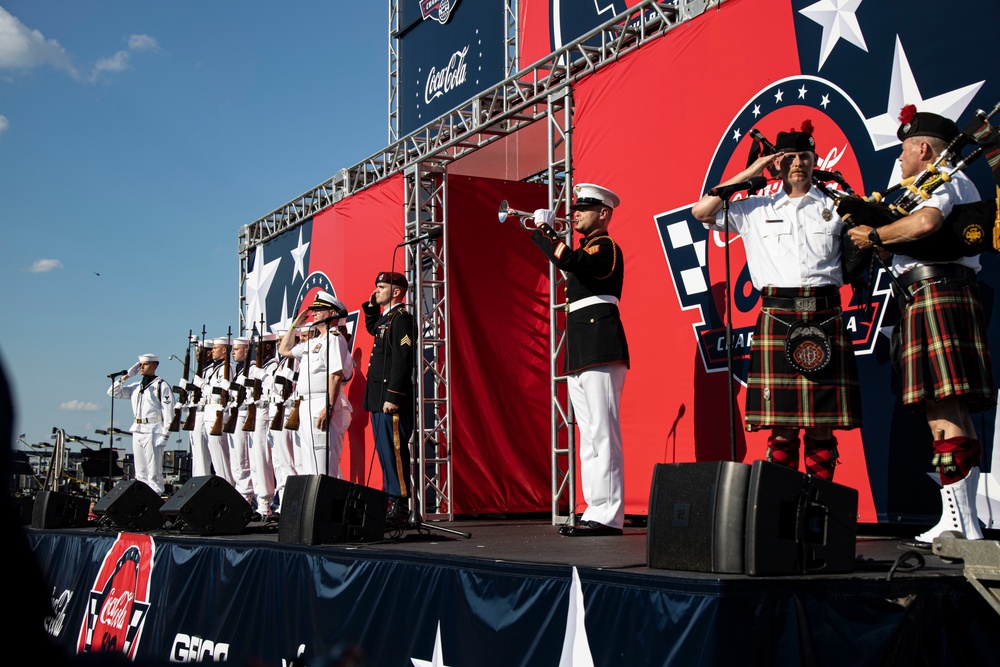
(239, 458)
(261, 470)
(596, 394)
(317, 457)
(218, 445)
(147, 457)
(201, 462)
(281, 458)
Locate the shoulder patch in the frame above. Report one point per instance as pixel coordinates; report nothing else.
(405, 340)
(592, 249)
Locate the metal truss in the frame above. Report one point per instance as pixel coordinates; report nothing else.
(559, 120)
(425, 196)
(393, 70)
(511, 57)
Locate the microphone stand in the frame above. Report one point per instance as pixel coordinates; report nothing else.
(111, 438)
(729, 338)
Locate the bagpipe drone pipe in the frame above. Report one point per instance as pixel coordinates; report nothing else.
(970, 229)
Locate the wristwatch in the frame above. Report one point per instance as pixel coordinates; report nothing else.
(874, 238)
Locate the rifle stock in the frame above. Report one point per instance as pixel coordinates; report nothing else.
(175, 422)
(278, 420)
(217, 424)
(292, 423)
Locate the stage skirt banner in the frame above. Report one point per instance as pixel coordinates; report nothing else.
(252, 602)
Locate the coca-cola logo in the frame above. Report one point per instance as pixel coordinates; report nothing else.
(445, 80)
(119, 600)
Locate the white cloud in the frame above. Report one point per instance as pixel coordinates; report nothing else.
(116, 63)
(44, 265)
(4, 123)
(142, 43)
(23, 48)
(80, 406)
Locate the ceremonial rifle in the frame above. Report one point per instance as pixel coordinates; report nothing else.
(250, 424)
(182, 395)
(196, 390)
(224, 398)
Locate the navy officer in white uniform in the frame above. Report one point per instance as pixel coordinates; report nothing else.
(153, 407)
(597, 353)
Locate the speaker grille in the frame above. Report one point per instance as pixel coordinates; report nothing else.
(696, 516)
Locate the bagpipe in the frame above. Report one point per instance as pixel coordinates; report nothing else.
(970, 229)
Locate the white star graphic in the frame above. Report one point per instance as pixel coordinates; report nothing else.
(736, 134)
(756, 110)
(257, 285)
(285, 321)
(903, 90)
(576, 646)
(437, 659)
(802, 92)
(298, 256)
(838, 21)
(824, 101)
(777, 96)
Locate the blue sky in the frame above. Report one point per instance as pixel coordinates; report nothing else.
(136, 138)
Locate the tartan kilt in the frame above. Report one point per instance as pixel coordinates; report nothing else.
(945, 351)
(778, 395)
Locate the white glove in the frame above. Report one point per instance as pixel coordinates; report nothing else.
(241, 381)
(225, 384)
(544, 216)
(199, 381)
(183, 384)
(133, 370)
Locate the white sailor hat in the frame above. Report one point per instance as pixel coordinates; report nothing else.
(323, 301)
(208, 342)
(149, 358)
(588, 194)
(268, 338)
(242, 340)
(221, 341)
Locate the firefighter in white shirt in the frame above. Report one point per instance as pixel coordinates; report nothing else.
(153, 407)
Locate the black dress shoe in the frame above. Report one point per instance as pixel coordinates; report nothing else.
(590, 529)
(274, 517)
(565, 528)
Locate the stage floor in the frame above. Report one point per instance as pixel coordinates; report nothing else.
(536, 541)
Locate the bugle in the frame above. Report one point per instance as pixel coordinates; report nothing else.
(560, 225)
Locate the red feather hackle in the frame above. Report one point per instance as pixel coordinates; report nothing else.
(907, 114)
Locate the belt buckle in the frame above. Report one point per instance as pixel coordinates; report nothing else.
(805, 304)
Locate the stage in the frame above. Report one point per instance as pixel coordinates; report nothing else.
(508, 595)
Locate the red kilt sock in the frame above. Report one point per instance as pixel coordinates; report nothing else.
(955, 457)
(783, 452)
(821, 457)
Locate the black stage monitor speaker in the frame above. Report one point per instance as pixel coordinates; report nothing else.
(697, 514)
(55, 509)
(209, 505)
(131, 505)
(799, 524)
(318, 509)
